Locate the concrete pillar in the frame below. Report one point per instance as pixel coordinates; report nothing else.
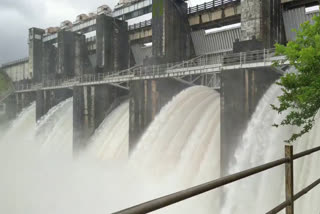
(65, 54)
(49, 61)
(241, 91)
(73, 56)
(35, 52)
(147, 97)
(263, 20)
(21, 101)
(11, 107)
(91, 104)
(171, 38)
(40, 106)
(46, 99)
(112, 44)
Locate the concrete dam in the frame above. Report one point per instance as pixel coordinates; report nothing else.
(143, 109)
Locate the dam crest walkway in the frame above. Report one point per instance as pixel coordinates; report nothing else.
(207, 67)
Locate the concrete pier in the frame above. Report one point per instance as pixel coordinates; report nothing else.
(16, 102)
(112, 44)
(147, 97)
(91, 104)
(241, 91)
(46, 99)
(171, 36)
(73, 59)
(35, 52)
(262, 20)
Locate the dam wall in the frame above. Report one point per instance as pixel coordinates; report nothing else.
(68, 57)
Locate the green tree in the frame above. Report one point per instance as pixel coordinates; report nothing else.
(4, 81)
(301, 89)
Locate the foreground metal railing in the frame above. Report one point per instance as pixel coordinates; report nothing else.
(288, 160)
(208, 63)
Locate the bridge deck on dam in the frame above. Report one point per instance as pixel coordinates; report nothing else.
(203, 65)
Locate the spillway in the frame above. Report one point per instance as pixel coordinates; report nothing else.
(180, 149)
(47, 183)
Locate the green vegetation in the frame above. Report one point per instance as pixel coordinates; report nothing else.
(301, 90)
(4, 82)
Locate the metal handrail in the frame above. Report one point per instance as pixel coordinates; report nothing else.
(209, 5)
(214, 60)
(165, 201)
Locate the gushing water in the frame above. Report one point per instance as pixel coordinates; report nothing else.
(111, 140)
(181, 148)
(54, 131)
(51, 184)
(263, 143)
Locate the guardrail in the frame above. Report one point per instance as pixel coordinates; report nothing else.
(209, 5)
(191, 10)
(288, 160)
(18, 61)
(140, 25)
(208, 63)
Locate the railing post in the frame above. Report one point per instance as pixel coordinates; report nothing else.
(289, 179)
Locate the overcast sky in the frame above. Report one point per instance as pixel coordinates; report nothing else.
(17, 16)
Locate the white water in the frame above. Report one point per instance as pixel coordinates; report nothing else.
(180, 149)
(262, 143)
(111, 140)
(38, 181)
(177, 151)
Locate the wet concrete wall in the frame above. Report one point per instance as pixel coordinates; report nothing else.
(112, 44)
(16, 102)
(147, 97)
(171, 38)
(91, 105)
(241, 91)
(46, 99)
(263, 20)
(35, 53)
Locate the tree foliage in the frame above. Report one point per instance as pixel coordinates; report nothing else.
(4, 82)
(301, 89)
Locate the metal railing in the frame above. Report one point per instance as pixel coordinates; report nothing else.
(209, 5)
(140, 25)
(15, 62)
(208, 63)
(288, 160)
(191, 10)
